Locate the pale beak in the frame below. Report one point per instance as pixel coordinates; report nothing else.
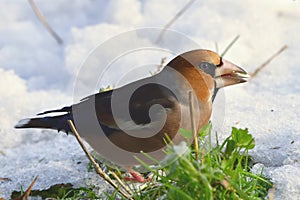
(229, 74)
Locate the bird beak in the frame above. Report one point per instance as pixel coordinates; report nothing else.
(229, 74)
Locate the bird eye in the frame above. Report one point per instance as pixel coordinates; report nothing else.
(204, 66)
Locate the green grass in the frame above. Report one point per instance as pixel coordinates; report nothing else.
(221, 172)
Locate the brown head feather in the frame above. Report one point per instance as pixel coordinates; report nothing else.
(187, 64)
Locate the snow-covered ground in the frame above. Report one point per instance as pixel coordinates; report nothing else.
(37, 74)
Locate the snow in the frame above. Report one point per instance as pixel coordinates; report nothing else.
(37, 74)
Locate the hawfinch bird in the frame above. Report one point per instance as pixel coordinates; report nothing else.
(121, 123)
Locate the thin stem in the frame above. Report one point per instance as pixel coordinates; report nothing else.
(193, 125)
(95, 164)
(28, 191)
(42, 18)
(121, 183)
(230, 45)
(173, 20)
(268, 61)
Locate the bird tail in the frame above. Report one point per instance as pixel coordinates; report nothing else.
(54, 122)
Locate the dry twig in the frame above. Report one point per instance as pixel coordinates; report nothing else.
(230, 45)
(194, 129)
(272, 193)
(253, 74)
(127, 193)
(173, 20)
(5, 179)
(42, 18)
(27, 192)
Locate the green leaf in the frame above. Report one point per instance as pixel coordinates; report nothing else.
(220, 172)
(242, 138)
(188, 134)
(230, 147)
(205, 130)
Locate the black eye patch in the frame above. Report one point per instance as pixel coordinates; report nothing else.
(207, 68)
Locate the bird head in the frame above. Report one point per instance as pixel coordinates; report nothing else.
(222, 71)
(216, 69)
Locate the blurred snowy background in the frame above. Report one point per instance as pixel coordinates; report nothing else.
(36, 74)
